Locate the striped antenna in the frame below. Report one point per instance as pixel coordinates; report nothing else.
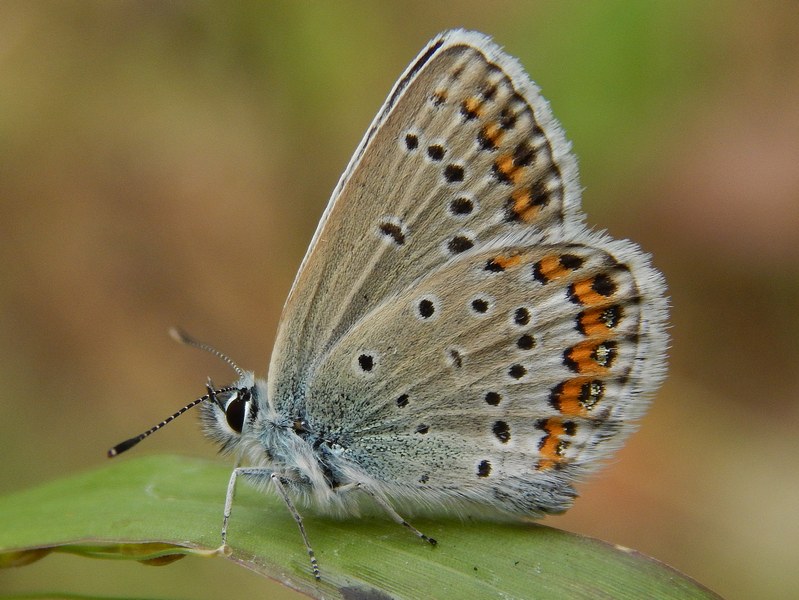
(184, 338)
(128, 444)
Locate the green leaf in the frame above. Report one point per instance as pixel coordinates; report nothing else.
(159, 509)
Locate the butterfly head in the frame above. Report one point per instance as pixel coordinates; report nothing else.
(229, 413)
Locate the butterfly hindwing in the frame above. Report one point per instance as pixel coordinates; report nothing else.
(530, 377)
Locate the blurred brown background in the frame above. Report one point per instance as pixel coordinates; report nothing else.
(166, 163)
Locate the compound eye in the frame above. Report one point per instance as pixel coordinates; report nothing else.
(235, 412)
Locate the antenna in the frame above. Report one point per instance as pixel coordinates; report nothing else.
(184, 338)
(128, 444)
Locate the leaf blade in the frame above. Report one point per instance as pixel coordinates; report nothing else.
(158, 509)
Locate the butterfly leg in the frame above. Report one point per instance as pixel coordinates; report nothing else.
(231, 491)
(275, 478)
(292, 509)
(396, 517)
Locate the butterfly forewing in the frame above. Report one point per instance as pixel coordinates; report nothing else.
(465, 150)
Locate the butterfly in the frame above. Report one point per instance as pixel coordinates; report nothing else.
(456, 338)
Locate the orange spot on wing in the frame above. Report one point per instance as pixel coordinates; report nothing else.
(473, 106)
(568, 399)
(523, 206)
(507, 261)
(507, 169)
(582, 357)
(550, 446)
(492, 133)
(592, 321)
(584, 292)
(550, 267)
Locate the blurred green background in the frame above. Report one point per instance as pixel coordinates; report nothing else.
(166, 163)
